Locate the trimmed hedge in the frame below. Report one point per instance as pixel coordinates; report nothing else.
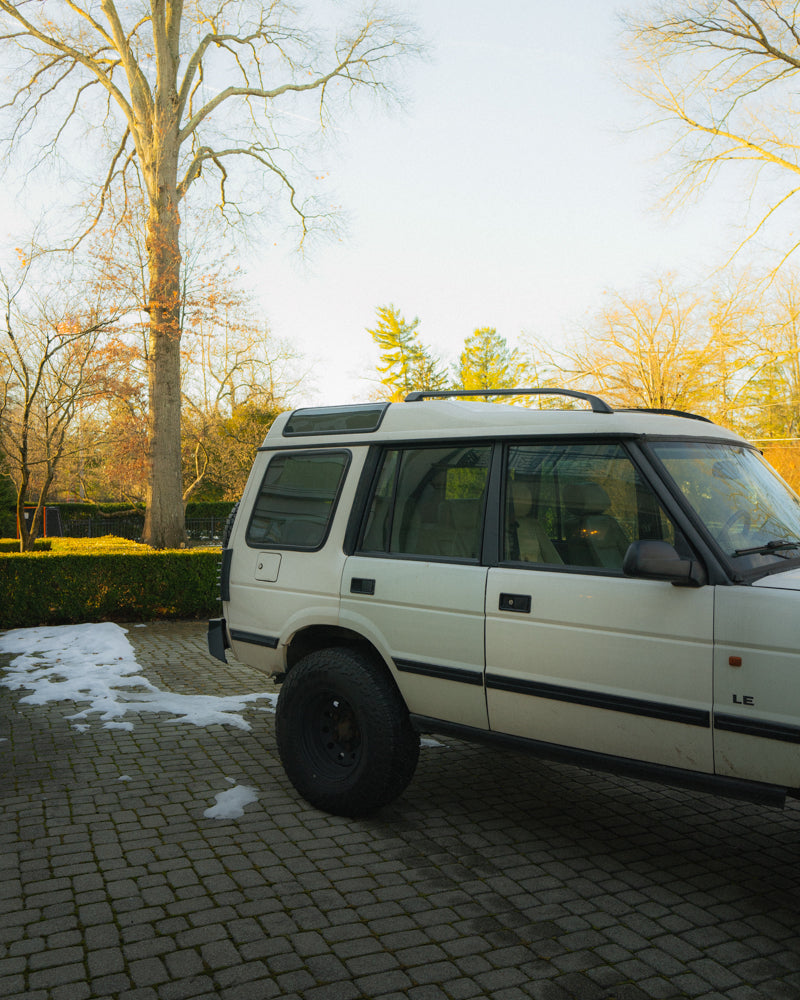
(111, 512)
(209, 508)
(12, 545)
(106, 579)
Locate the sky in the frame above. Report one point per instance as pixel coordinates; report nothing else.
(511, 191)
(94, 665)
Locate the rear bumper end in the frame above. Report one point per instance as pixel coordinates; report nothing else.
(218, 639)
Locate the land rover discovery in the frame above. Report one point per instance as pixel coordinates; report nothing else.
(614, 588)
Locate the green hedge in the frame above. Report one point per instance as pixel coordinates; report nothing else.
(107, 581)
(12, 544)
(8, 523)
(202, 508)
(209, 508)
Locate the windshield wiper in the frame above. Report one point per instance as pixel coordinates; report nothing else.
(776, 545)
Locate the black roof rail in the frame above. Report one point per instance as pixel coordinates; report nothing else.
(598, 405)
(666, 412)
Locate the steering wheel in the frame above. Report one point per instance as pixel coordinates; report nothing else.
(737, 515)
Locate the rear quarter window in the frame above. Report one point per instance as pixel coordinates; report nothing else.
(297, 499)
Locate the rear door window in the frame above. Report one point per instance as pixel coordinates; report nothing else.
(429, 502)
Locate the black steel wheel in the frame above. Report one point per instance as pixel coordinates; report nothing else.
(330, 730)
(343, 732)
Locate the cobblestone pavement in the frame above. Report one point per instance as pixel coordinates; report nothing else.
(495, 875)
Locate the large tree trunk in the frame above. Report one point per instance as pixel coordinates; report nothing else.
(164, 520)
(158, 156)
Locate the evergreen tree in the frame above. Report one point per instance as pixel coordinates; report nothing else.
(406, 364)
(486, 362)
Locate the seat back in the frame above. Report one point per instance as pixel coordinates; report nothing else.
(528, 540)
(594, 538)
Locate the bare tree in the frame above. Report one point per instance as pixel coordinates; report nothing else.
(237, 376)
(723, 74)
(775, 389)
(653, 350)
(182, 92)
(57, 364)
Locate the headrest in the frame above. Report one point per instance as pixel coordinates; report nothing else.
(521, 498)
(586, 498)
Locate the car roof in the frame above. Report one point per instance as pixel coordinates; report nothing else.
(432, 419)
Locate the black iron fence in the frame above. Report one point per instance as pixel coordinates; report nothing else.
(205, 529)
(96, 527)
(198, 529)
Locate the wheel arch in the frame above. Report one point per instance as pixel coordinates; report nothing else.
(315, 637)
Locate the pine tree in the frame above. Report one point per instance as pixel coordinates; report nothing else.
(406, 364)
(486, 362)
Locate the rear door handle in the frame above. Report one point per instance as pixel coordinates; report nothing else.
(362, 585)
(516, 602)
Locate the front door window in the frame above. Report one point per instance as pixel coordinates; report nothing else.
(577, 505)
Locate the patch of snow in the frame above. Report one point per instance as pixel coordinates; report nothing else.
(95, 663)
(230, 803)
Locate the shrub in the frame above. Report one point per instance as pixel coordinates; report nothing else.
(209, 508)
(12, 544)
(8, 522)
(105, 579)
(104, 544)
(203, 518)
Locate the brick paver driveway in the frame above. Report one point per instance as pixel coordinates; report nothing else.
(495, 875)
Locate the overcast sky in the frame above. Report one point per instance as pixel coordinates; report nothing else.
(511, 192)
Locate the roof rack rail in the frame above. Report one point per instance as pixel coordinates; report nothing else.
(666, 412)
(598, 405)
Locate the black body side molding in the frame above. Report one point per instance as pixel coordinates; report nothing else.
(734, 788)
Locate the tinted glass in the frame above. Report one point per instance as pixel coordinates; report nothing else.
(335, 419)
(749, 511)
(296, 501)
(429, 502)
(577, 505)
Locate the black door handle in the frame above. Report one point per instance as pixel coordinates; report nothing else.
(362, 585)
(516, 602)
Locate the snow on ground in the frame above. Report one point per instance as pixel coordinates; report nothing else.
(230, 803)
(96, 664)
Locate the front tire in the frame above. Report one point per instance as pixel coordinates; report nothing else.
(344, 736)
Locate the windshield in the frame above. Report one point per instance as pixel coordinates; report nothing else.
(747, 508)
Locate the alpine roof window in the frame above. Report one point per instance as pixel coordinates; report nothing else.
(357, 419)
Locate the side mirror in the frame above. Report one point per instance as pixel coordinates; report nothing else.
(655, 560)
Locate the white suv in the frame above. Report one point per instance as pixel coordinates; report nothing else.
(614, 588)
